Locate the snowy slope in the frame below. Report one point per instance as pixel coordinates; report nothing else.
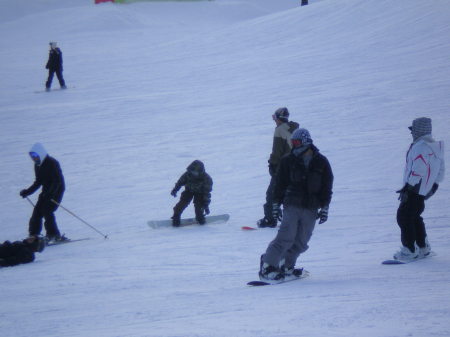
(157, 85)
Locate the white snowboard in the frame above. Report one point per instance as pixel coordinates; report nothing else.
(189, 221)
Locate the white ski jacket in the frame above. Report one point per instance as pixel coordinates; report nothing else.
(424, 164)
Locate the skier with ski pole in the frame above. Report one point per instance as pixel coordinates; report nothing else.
(49, 176)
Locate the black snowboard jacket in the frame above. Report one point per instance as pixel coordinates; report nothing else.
(50, 177)
(55, 61)
(201, 184)
(15, 253)
(304, 186)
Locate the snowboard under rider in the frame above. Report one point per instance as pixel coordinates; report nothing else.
(198, 187)
(423, 171)
(48, 174)
(14, 253)
(303, 184)
(281, 146)
(54, 66)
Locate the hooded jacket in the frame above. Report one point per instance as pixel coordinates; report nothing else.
(424, 164)
(15, 253)
(304, 185)
(196, 180)
(55, 61)
(48, 175)
(282, 141)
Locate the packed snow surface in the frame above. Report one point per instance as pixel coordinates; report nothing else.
(156, 85)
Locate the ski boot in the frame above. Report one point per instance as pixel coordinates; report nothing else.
(268, 273)
(405, 254)
(176, 221)
(265, 222)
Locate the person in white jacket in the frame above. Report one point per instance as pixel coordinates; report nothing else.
(424, 170)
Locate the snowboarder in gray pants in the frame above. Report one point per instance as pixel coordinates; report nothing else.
(303, 184)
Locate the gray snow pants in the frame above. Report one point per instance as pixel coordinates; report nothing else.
(293, 236)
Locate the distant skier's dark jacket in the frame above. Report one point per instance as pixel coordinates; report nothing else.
(282, 141)
(15, 253)
(308, 187)
(201, 184)
(50, 177)
(55, 61)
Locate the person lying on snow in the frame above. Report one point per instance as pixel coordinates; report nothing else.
(18, 252)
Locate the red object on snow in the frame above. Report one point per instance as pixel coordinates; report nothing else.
(100, 1)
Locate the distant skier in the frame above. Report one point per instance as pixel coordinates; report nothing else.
(55, 65)
(198, 186)
(48, 175)
(18, 252)
(281, 146)
(303, 184)
(304, 2)
(424, 169)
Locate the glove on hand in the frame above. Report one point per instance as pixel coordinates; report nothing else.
(403, 194)
(433, 190)
(323, 214)
(206, 210)
(276, 211)
(174, 193)
(23, 193)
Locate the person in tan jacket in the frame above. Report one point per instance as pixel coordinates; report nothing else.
(280, 147)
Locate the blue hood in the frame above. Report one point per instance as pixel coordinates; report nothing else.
(40, 150)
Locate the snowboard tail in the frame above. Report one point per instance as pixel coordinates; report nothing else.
(189, 221)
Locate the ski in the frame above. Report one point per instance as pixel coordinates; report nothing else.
(56, 243)
(211, 219)
(394, 261)
(267, 283)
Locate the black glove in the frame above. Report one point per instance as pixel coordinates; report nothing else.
(24, 193)
(403, 194)
(433, 190)
(323, 214)
(174, 193)
(206, 210)
(276, 211)
(272, 169)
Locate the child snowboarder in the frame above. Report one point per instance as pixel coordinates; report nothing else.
(198, 186)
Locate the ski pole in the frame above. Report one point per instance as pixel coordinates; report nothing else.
(32, 204)
(76, 216)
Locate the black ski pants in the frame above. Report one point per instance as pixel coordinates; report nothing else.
(44, 208)
(410, 221)
(269, 200)
(185, 199)
(59, 75)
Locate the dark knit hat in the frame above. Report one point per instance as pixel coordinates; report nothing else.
(302, 135)
(421, 127)
(282, 114)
